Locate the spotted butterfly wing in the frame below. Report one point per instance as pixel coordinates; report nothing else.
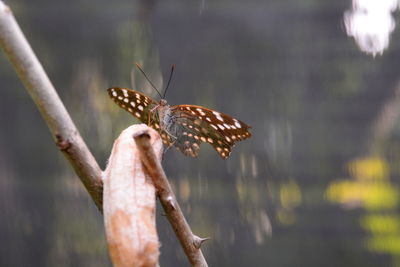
(200, 124)
(139, 106)
(184, 126)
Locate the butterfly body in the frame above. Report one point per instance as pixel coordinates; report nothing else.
(166, 118)
(183, 126)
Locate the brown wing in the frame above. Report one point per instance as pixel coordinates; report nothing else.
(132, 101)
(221, 131)
(139, 106)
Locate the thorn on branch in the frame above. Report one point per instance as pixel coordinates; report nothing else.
(61, 143)
(198, 241)
(171, 202)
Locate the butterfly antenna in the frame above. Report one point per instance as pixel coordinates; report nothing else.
(169, 80)
(147, 78)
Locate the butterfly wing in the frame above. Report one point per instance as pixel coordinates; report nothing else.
(199, 124)
(188, 143)
(132, 101)
(140, 106)
(192, 124)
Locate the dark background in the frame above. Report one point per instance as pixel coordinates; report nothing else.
(316, 185)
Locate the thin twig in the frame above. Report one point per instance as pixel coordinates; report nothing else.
(38, 85)
(190, 243)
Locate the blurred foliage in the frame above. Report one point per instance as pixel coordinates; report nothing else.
(370, 187)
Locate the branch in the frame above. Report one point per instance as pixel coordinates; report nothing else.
(129, 203)
(69, 141)
(190, 242)
(38, 85)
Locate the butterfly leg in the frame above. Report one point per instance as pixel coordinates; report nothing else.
(149, 114)
(168, 147)
(171, 135)
(149, 120)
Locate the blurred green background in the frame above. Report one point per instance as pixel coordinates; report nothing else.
(316, 185)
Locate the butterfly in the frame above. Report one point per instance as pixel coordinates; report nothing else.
(183, 126)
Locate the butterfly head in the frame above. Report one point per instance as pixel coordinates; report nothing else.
(163, 102)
